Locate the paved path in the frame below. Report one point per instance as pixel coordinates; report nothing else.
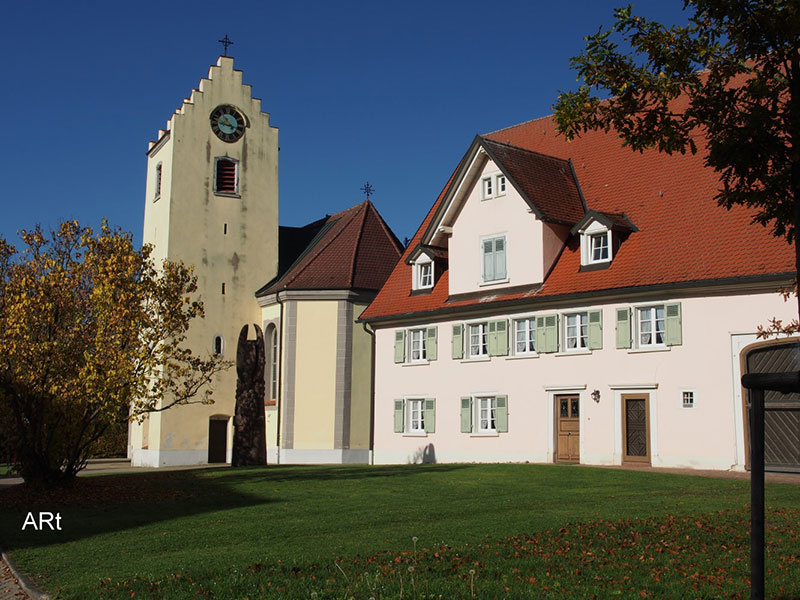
(9, 586)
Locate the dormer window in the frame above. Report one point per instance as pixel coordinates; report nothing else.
(423, 273)
(600, 247)
(426, 275)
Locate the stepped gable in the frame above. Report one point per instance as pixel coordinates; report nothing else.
(353, 249)
(683, 235)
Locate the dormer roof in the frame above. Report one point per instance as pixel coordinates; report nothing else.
(614, 221)
(546, 183)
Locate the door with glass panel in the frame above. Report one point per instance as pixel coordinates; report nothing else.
(568, 428)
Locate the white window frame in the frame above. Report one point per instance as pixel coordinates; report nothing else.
(606, 236)
(592, 231)
(682, 397)
(423, 261)
(492, 238)
(415, 406)
(425, 275)
(501, 185)
(638, 310)
(422, 347)
(530, 335)
(582, 333)
(483, 333)
(486, 405)
(487, 187)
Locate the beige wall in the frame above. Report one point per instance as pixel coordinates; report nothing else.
(315, 374)
(188, 223)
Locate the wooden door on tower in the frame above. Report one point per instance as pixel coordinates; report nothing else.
(218, 440)
(568, 428)
(636, 428)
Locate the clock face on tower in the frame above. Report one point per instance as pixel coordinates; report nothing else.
(227, 123)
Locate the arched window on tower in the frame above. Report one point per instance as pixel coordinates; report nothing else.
(218, 345)
(158, 182)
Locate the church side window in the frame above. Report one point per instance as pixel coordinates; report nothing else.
(219, 344)
(226, 176)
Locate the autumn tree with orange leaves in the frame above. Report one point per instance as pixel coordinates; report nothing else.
(91, 333)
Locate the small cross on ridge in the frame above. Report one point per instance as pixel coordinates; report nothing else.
(368, 190)
(225, 43)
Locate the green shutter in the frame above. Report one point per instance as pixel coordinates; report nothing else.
(431, 346)
(430, 415)
(399, 415)
(399, 346)
(623, 328)
(458, 341)
(501, 414)
(491, 337)
(466, 414)
(595, 329)
(673, 335)
(498, 341)
(547, 333)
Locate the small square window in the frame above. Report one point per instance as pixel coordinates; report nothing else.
(599, 247)
(687, 397)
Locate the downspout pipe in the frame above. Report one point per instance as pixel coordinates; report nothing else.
(280, 381)
(371, 333)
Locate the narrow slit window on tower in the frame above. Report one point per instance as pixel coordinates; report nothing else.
(226, 176)
(223, 289)
(158, 183)
(224, 229)
(218, 344)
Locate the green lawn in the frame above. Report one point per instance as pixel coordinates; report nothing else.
(483, 531)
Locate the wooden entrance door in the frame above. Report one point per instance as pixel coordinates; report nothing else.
(568, 428)
(217, 440)
(636, 428)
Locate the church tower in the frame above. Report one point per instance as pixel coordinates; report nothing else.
(211, 202)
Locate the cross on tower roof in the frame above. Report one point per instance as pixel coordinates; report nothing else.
(368, 190)
(225, 43)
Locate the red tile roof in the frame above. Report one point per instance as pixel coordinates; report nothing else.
(354, 249)
(683, 237)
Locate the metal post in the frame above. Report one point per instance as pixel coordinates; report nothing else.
(757, 383)
(757, 494)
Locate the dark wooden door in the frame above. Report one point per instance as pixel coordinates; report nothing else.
(218, 440)
(636, 428)
(568, 429)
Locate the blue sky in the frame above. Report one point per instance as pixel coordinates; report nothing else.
(390, 93)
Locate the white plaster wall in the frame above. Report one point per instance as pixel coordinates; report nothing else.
(507, 215)
(706, 436)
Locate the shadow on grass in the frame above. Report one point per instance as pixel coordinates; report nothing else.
(103, 504)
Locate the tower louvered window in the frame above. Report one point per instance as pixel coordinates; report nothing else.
(226, 176)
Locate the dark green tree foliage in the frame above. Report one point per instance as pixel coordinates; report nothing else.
(731, 75)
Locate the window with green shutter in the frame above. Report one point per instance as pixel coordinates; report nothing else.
(547, 333)
(623, 327)
(494, 258)
(432, 345)
(430, 415)
(399, 416)
(498, 338)
(674, 334)
(458, 341)
(466, 414)
(595, 329)
(501, 414)
(399, 346)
